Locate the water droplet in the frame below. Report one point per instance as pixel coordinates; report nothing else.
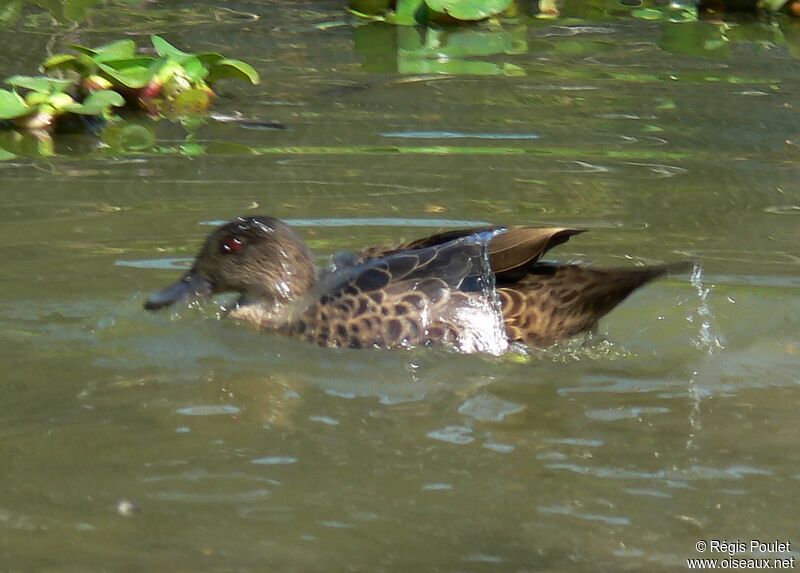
(211, 410)
(783, 209)
(437, 486)
(324, 420)
(274, 461)
(458, 435)
(127, 508)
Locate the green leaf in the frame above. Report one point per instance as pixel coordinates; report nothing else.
(469, 9)
(119, 50)
(134, 73)
(60, 61)
(233, 69)
(194, 69)
(12, 106)
(167, 50)
(32, 99)
(192, 149)
(408, 13)
(209, 59)
(39, 84)
(83, 49)
(647, 14)
(82, 63)
(6, 155)
(58, 101)
(97, 103)
(135, 62)
(367, 16)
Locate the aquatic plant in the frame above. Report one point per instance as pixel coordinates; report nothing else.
(173, 78)
(461, 50)
(413, 12)
(45, 101)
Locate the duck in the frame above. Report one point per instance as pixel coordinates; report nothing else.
(479, 289)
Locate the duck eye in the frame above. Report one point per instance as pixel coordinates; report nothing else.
(232, 245)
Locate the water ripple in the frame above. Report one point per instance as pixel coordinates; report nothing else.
(457, 135)
(371, 222)
(566, 510)
(185, 497)
(458, 435)
(489, 408)
(693, 472)
(274, 460)
(208, 410)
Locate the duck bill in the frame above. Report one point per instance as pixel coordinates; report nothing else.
(190, 287)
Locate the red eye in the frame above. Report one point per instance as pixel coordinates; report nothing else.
(232, 245)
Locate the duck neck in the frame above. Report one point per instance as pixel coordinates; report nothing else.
(262, 314)
(297, 278)
(278, 303)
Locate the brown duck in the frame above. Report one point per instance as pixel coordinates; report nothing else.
(473, 289)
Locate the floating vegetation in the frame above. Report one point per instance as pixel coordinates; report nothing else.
(92, 81)
(41, 103)
(415, 12)
(171, 80)
(452, 51)
(672, 12)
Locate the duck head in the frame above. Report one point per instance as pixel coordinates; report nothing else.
(261, 258)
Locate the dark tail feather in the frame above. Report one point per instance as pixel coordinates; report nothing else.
(610, 286)
(556, 301)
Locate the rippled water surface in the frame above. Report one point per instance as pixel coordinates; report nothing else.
(183, 442)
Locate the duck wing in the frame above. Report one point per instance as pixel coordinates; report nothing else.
(511, 250)
(439, 292)
(512, 253)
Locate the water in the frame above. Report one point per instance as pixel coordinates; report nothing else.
(180, 441)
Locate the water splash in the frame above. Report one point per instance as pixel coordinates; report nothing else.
(707, 341)
(479, 323)
(589, 346)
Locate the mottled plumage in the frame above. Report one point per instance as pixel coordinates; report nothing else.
(472, 289)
